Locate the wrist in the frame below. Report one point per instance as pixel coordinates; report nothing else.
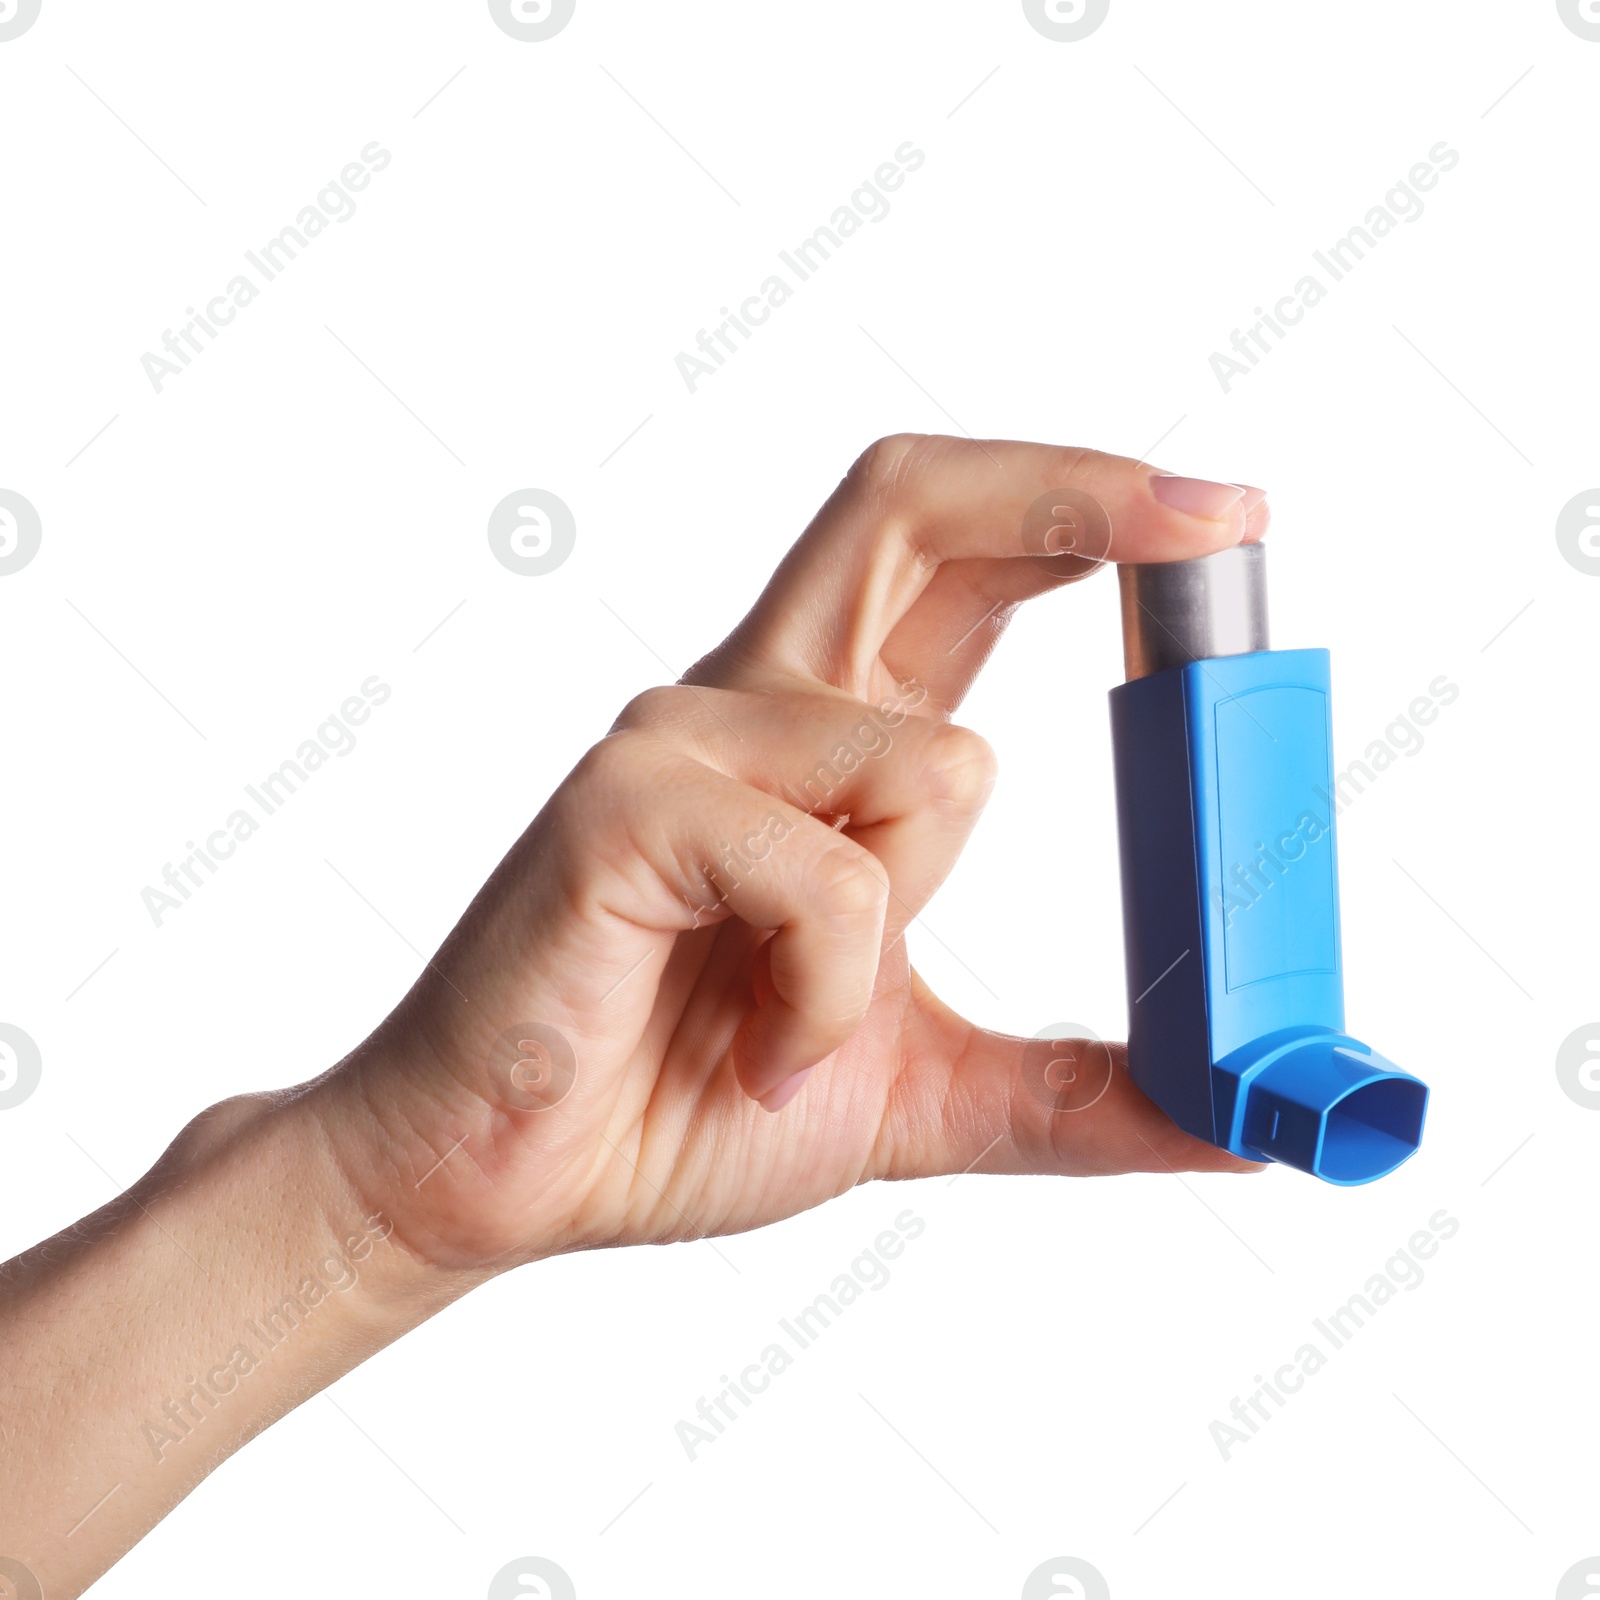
(470, 1190)
(238, 1277)
(311, 1152)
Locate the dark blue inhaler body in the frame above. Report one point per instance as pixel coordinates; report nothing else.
(1230, 889)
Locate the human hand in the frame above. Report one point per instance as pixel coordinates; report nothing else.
(682, 1005)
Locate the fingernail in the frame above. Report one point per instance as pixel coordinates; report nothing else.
(1257, 513)
(1195, 497)
(777, 1099)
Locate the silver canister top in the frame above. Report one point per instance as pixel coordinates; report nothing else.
(1175, 612)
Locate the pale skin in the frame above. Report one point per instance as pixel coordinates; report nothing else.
(724, 1037)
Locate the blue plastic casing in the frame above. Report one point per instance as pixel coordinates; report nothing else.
(1230, 900)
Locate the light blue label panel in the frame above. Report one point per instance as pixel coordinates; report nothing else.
(1279, 905)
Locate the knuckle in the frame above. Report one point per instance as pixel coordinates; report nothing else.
(891, 476)
(960, 770)
(883, 467)
(665, 704)
(1076, 461)
(615, 765)
(850, 887)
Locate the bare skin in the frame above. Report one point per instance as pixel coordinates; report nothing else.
(680, 1007)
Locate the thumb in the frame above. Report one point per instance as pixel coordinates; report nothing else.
(975, 1100)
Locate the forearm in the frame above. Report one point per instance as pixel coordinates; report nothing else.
(145, 1344)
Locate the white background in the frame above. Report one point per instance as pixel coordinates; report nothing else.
(275, 527)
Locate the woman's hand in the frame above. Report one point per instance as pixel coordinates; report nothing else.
(682, 1006)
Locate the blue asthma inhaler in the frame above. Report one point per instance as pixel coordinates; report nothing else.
(1230, 887)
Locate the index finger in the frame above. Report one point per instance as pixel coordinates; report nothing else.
(916, 559)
